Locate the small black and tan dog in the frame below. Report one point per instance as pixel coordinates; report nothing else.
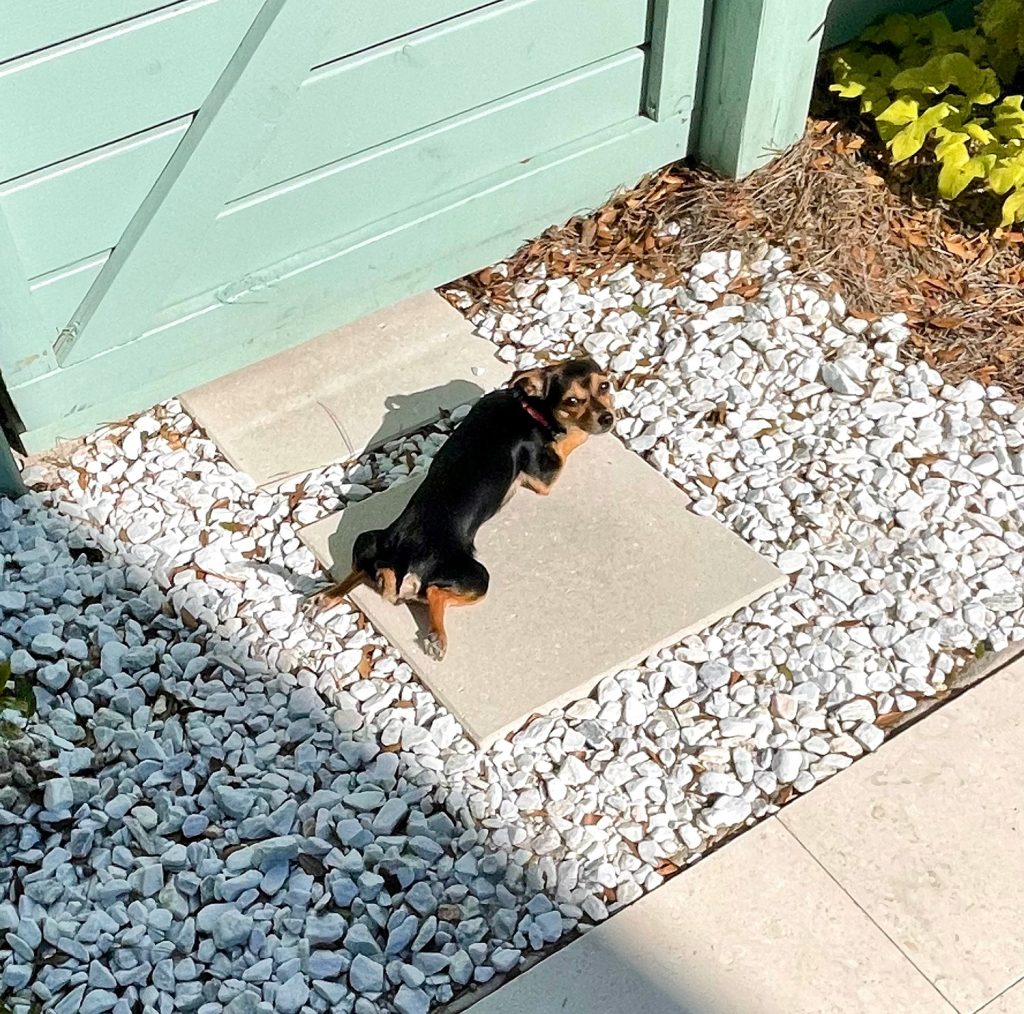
(516, 436)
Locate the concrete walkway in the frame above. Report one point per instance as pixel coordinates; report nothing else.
(896, 887)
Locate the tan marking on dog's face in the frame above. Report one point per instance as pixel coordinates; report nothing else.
(587, 401)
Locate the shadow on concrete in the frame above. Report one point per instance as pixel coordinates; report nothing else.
(406, 413)
(594, 975)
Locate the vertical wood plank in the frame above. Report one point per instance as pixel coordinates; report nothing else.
(10, 476)
(229, 133)
(676, 30)
(762, 56)
(25, 350)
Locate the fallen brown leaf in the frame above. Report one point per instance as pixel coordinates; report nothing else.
(959, 246)
(366, 662)
(888, 720)
(295, 497)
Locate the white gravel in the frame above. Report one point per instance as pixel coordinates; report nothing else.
(223, 806)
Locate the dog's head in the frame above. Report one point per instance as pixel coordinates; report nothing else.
(577, 393)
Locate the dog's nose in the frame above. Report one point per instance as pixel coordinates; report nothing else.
(606, 419)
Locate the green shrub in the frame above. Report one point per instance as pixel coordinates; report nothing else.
(14, 693)
(929, 86)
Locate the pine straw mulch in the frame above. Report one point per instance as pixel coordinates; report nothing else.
(834, 205)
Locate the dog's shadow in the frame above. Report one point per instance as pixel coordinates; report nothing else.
(407, 413)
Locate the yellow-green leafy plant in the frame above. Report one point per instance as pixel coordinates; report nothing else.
(949, 92)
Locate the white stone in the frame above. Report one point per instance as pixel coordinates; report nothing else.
(840, 381)
(786, 765)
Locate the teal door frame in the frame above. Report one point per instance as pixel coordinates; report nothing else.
(761, 59)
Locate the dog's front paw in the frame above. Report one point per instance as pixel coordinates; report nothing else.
(434, 647)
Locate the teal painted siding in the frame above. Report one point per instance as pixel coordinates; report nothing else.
(155, 242)
(30, 25)
(762, 56)
(351, 277)
(84, 93)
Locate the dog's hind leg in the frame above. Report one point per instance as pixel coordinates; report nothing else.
(469, 587)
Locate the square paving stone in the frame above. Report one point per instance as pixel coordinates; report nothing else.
(347, 391)
(587, 581)
(927, 836)
(1010, 1002)
(756, 928)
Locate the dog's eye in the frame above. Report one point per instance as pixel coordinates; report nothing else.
(572, 402)
(605, 387)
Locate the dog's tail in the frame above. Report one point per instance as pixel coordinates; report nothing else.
(365, 562)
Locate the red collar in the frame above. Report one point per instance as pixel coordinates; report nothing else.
(533, 412)
(536, 415)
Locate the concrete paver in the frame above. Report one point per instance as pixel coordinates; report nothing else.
(609, 568)
(348, 390)
(756, 927)
(1010, 1002)
(927, 836)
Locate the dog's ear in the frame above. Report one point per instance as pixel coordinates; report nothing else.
(533, 382)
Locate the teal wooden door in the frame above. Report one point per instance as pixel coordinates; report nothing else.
(215, 180)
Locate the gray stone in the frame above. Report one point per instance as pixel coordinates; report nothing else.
(275, 850)
(460, 968)
(361, 941)
(98, 1000)
(402, 936)
(54, 677)
(411, 1001)
(46, 646)
(291, 995)
(389, 816)
(324, 929)
(234, 802)
(12, 601)
(58, 795)
(228, 926)
(365, 975)
(421, 899)
(327, 964)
